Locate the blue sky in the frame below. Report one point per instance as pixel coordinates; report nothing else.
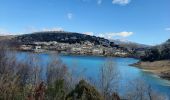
(142, 21)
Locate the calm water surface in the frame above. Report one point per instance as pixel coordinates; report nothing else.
(89, 66)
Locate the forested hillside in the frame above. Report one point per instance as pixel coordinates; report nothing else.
(60, 36)
(159, 52)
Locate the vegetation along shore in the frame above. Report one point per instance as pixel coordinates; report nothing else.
(157, 60)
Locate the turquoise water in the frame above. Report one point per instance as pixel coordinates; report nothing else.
(88, 66)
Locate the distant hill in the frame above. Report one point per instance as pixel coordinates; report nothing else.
(70, 37)
(60, 36)
(6, 37)
(133, 49)
(159, 52)
(6, 40)
(129, 45)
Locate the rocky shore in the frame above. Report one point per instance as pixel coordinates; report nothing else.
(160, 68)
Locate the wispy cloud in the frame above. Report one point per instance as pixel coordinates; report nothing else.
(4, 32)
(69, 16)
(119, 34)
(89, 33)
(167, 29)
(121, 2)
(99, 2)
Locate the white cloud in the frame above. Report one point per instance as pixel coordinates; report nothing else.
(167, 29)
(124, 34)
(89, 33)
(69, 16)
(121, 2)
(120, 34)
(4, 32)
(99, 2)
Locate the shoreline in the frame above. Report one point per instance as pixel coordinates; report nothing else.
(159, 68)
(75, 54)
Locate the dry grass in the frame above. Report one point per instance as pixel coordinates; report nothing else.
(156, 67)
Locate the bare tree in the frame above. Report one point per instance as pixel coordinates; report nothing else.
(56, 70)
(109, 78)
(16, 77)
(9, 81)
(56, 75)
(139, 90)
(74, 75)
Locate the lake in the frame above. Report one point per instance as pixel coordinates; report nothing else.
(88, 66)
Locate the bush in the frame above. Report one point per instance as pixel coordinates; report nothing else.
(84, 91)
(56, 91)
(151, 55)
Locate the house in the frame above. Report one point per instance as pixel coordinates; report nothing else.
(26, 47)
(97, 51)
(37, 47)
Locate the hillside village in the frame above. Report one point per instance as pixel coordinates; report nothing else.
(72, 43)
(86, 48)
